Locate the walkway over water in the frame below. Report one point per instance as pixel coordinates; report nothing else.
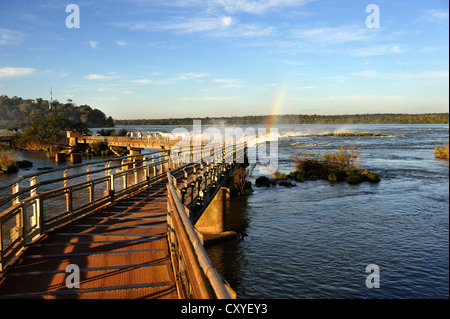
(129, 233)
(147, 142)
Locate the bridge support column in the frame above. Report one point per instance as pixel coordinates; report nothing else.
(213, 219)
(135, 151)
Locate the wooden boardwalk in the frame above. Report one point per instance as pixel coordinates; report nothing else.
(122, 253)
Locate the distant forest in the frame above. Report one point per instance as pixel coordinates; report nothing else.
(429, 118)
(15, 110)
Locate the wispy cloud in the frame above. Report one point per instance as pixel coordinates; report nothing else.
(93, 44)
(366, 97)
(109, 76)
(377, 50)
(310, 87)
(325, 35)
(229, 83)
(112, 98)
(237, 6)
(9, 72)
(211, 98)
(433, 16)
(11, 37)
(122, 43)
(404, 76)
(191, 76)
(258, 7)
(218, 26)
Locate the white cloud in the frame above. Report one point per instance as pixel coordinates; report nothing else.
(112, 98)
(11, 37)
(307, 87)
(109, 76)
(190, 76)
(366, 97)
(235, 6)
(433, 16)
(8, 72)
(93, 44)
(211, 98)
(346, 33)
(186, 25)
(378, 50)
(227, 81)
(221, 26)
(403, 76)
(123, 43)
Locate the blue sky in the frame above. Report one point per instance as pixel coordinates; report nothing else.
(156, 59)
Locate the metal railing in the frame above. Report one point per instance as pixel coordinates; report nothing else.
(26, 220)
(196, 277)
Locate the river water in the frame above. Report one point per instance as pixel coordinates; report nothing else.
(315, 240)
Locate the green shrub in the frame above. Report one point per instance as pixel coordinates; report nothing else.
(297, 175)
(279, 176)
(354, 179)
(8, 162)
(332, 177)
(442, 152)
(373, 177)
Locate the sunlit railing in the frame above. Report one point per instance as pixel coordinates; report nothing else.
(27, 219)
(196, 277)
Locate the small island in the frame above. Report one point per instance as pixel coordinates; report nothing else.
(442, 152)
(352, 134)
(342, 165)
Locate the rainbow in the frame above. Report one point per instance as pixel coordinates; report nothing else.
(279, 98)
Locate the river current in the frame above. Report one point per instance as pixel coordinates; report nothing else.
(315, 240)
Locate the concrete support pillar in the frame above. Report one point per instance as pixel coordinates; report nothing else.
(135, 151)
(60, 157)
(213, 219)
(75, 158)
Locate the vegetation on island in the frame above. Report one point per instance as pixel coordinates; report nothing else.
(341, 165)
(15, 110)
(442, 152)
(352, 134)
(39, 129)
(8, 162)
(239, 182)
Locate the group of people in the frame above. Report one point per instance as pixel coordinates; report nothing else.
(131, 134)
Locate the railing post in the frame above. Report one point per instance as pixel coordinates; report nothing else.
(15, 190)
(68, 206)
(91, 186)
(33, 191)
(1, 248)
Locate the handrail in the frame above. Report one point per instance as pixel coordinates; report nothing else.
(202, 257)
(21, 178)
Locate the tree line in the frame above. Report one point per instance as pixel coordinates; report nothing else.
(426, 118)
(15, 111)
